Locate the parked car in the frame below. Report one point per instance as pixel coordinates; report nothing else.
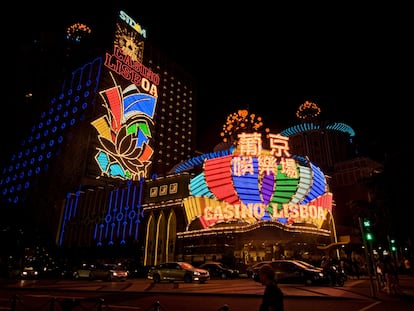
(219, 270)
(137, 270)
(104, 272)
(293, 272)
(178, 271)
(309, 265)
(83, 272)
(29, 272)
(252, 267)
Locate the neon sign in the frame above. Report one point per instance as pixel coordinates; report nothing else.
(124, 133)
(253, 184)
(134, 71)
(134, 25)
(257, 211)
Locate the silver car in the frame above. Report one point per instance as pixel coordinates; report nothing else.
(104, 272)
(178, 271)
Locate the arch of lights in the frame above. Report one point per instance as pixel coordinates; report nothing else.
(335, 126)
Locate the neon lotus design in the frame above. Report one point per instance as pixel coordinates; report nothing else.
(124, 133)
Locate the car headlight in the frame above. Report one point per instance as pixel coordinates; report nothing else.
(196, 273)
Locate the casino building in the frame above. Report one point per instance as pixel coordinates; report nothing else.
(111, 164)
(121, 111)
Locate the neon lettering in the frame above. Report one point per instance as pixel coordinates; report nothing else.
(115, 63)
(257, 210)
(134, 25)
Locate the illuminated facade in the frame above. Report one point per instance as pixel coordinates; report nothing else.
(91, 166)
(246, 202)
(243, 224)
(124, 115)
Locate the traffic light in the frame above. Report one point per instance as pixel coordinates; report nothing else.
(393, 247)
(367, 229)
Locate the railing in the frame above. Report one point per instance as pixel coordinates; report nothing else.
(71, 304)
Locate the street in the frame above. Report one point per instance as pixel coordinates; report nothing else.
(238, 294)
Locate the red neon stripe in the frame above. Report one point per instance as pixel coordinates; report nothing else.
(115, 103)
(217, 172)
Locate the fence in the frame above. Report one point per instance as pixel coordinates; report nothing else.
(16, 303)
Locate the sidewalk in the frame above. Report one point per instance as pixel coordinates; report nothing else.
(363, 287)
(406, 283)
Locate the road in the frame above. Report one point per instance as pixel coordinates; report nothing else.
(240, 294)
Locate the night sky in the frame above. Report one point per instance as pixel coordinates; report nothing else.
(354, 61)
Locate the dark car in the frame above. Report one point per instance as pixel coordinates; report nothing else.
(294, 272)
(137, 270)
(220, 270)
(309, 265)
(250, 269)
(178, 271)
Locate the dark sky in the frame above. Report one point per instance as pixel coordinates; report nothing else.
(353, 60)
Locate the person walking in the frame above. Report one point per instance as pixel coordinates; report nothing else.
(273, 298)
(407, 265)
(392, 286)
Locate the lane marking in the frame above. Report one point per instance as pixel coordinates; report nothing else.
(370, 306)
